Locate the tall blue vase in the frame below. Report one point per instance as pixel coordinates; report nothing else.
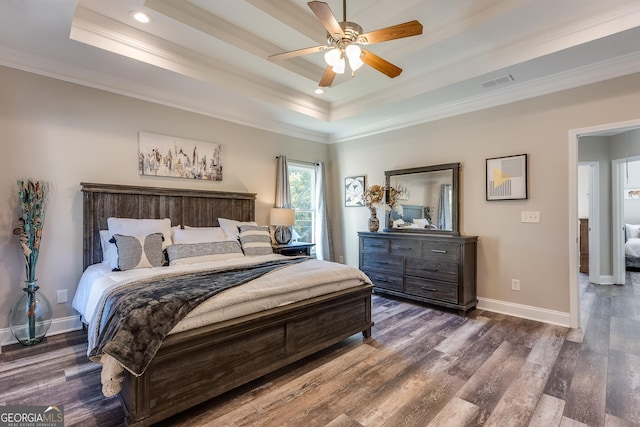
(30, 316)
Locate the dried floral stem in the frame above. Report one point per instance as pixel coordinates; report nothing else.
(33, 197)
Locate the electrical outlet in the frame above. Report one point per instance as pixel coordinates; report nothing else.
(63, 296)
(515, 284)
(341, 259)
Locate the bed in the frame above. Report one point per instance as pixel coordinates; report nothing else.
(632, 246)
(198, 362)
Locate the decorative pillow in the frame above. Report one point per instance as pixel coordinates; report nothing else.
(199, 235)
(255, 240)
(109, 250)
(141, 227)
(139, 251)
(398, 222)
(633, 231)
(231, 226)
(202, 252)
(421, 222)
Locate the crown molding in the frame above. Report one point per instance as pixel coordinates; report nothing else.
(96, 30)
(605, 70)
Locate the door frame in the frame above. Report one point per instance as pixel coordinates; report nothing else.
(574, 135)
(594, 220)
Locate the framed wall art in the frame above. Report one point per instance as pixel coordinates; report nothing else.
(507, 178)
(162, 155)
(354, 187)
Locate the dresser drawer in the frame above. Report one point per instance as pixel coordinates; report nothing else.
(387, 281)
(441, 291)
(373, 246)
(387, 263)
(431, 268)
(406, 247)
(440, 251)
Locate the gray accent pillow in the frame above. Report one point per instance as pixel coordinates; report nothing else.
(255, 240)
(139, 251)
(190, 253)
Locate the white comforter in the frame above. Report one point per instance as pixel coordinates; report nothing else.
(280, 287)
(632, 247)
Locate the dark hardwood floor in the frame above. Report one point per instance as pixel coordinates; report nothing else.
(422, 367)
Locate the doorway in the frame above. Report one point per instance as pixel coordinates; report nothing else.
(574, 135)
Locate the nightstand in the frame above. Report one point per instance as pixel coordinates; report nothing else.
(293, 248)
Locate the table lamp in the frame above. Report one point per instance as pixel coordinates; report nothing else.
(282, 219)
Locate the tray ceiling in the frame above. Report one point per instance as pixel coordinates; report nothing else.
(211, 56)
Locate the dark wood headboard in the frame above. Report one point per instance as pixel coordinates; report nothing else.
(196, 208)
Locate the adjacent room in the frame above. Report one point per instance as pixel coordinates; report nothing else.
(340, 213)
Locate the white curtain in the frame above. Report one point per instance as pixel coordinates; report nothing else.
(444, 210)
(283, 192)
(324, 246)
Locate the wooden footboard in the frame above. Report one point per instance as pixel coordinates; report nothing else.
(197, 365)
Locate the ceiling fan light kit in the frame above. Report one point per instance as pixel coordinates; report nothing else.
(343, 40)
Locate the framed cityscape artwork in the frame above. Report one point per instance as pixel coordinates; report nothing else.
(162, 155)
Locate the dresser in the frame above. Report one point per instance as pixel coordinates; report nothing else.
(437, 269)
(584, 245)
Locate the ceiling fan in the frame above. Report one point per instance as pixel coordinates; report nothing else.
(343, 40)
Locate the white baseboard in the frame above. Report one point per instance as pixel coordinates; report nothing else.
(525, 311)
(606, 280)
(58, 326)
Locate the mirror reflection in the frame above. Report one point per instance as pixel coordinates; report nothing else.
(427, 199)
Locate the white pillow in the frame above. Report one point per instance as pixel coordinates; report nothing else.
(199, 235)
(230, 227)
(633, 231)
(398, 222)
(141, 227)
(193, 253)
(421, 222)
(109, 250)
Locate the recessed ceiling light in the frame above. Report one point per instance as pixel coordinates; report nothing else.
(319, 91)
(141, 17)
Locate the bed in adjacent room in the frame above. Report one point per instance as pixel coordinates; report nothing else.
(632, 246)
(232, 311)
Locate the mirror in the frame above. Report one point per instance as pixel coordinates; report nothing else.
(427, 199)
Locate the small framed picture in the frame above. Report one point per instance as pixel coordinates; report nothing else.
(633, 193)
(507, 178)
(354, 191)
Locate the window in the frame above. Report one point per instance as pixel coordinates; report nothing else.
(302, 184)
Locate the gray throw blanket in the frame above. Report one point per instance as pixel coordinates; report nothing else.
(135, 318)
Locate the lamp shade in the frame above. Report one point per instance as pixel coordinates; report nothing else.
(282, 216)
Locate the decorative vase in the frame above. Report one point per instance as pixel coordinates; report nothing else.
(374, 222)
(30, 316)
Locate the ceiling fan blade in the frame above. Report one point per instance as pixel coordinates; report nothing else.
(326, 17)
(385, 67)
(408, 29)
(299, 52)
(327, 77)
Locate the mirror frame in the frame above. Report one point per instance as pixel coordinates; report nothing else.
(455, 198)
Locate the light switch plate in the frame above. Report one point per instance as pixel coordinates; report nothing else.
(529, 216)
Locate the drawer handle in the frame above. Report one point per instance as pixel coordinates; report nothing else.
(428, 289)
(404, 248)
(429, 269)
(439, 251)
(377, 246)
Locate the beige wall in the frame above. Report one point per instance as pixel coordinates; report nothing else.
(536, 254)
(68, 134)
